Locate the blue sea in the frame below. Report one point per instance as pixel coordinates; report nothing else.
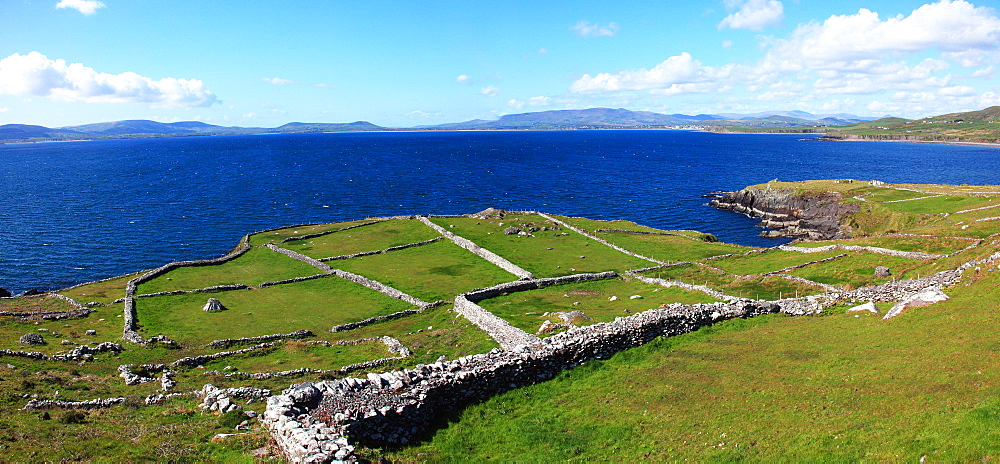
(73, 212)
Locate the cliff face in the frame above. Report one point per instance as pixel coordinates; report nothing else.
(814, 216)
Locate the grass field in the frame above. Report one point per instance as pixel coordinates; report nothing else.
(550, 253)
(830, 387)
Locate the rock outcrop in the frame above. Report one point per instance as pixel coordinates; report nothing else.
(813, 216)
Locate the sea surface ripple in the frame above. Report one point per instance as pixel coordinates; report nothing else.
(73, 212)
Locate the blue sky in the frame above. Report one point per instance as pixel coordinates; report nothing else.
(408, 63)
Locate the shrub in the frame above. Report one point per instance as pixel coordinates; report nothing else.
(232, 418)
(72, 417)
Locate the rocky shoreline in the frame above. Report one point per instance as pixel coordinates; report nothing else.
(812, 216)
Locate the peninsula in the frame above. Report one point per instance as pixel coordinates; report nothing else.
(412, 337)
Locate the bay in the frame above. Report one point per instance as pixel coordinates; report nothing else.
(73, 212)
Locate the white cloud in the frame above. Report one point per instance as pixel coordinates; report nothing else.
(984, 72)
(463, 79)
(4, 109)
(87, 7)
(543, 51)
(489, 91)
(754, 15)
(35, 74)
(539, 101)
(679, 69)
(585, 29)
(277, 81)
(533, 101)
(957, 91)
(948, 25)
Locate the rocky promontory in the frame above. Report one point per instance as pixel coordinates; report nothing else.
(808, 215)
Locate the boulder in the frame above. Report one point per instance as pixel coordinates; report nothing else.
(922, 298)
(882, 271)
(512, 231)
(870, 307)
(213, 305)
(32, 292)
(4, 293)
(32, 339)
(490, 213)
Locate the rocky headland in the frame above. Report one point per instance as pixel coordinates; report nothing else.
(787, 213)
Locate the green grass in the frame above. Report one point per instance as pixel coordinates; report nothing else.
(256, 266)
(856, 270)
(528, 310)
(544, 253)
(316, 305)
(385, 234)
(937, 205)
(437, 271)
(294, 355)
(774, 388)
(276, 236)
(932, 245)
(670, 248)
(768, 261)
(101, 292)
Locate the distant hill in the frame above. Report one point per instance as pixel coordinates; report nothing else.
(980, 126)
(622, 118)
(327, 127)
(25, 132)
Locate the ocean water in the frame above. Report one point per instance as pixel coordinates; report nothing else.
(73, 212)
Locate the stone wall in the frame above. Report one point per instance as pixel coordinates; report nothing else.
(320, 234)
(676, 283)
(193, 361)
(226, 343)
(382, 252)
(372, 320)
(599, 240)
(479, 251)
(299, 256)
(397, 407)
(508, 336)
(870, 249)
(381, 288)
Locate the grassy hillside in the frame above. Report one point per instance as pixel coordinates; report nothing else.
(834, 385)
(981, 126)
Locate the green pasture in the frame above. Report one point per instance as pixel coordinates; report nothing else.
(546, 253)
(670, 248)
(428, 335)
(316, 305)
(101, 292)
(256, 266)
(277, 235)
(932, 245)
(833, 388)
(856, 270)
(937, 204)
(529, 309)
(437, 271)
(379, 236)
(768, 261)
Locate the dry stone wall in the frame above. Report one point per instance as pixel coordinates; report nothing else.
(396, 407)
(878, 250)
(382, 252)
(226, 343)
(599, 240)
(479, 251)
(320, 234)
(508, 336)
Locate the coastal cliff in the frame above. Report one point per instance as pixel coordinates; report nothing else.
(813, 216)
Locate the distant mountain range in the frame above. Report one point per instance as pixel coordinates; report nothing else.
(593, 118)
